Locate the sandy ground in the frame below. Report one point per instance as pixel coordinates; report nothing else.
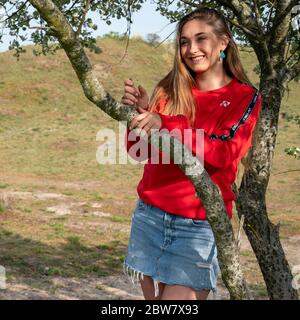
(118, 287)
(105, 288)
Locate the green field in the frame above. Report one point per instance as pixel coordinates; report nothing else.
(63, 214)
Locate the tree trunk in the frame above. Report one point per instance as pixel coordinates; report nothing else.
(251, 198)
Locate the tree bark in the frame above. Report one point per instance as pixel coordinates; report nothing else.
(251, 197)
(251, 201)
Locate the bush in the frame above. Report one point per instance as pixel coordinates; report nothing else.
(153, 39)
(114, 35)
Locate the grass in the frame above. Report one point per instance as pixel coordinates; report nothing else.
(48, 143)
(2, 208)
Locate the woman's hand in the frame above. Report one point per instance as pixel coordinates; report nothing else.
(146, 121)
(133, 96)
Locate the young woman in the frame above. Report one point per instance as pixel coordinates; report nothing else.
(172, 249)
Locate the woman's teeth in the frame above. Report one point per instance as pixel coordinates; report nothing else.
(197, 59)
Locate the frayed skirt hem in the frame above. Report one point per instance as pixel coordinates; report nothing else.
(135, 275)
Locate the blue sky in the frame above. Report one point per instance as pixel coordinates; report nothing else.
(147, 20)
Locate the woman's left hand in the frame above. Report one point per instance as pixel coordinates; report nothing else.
(146, 121)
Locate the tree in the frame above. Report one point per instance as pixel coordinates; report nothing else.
(263, 25)
(153, 39)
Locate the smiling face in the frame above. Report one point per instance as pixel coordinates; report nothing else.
(199, 46)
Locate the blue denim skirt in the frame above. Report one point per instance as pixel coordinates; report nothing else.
(171, 249)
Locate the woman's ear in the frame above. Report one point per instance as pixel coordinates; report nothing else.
(224, 43)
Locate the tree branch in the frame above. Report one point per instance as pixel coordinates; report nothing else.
(286, 58)
(256, 9)
(244, 15)
(84, 13)
(280, 15)
(128, 31)
(275, 174)
(164, 40)
(246, 30)
(291, 73)
(72, 6)
(205, 188)
(16, 12)
(38, 28)
(190, 3)
(278, 34)
(257, 16)
(296, 50)
(270, 15)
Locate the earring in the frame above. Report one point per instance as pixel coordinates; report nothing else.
(222, 55)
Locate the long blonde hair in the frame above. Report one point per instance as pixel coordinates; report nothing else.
(176, 87)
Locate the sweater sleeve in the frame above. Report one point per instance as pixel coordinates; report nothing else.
(228, 143)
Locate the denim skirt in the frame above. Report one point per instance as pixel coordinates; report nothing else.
(171, 249)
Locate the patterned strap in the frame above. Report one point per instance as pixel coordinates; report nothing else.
(242, 120)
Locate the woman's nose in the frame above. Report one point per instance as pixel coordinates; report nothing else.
(194, 47)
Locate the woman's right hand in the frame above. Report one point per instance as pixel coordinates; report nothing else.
(133, 96)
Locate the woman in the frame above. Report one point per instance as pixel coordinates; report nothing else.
(172, 249)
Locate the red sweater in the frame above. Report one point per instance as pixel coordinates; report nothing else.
(228, 116)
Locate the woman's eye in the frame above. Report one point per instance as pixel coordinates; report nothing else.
(182, 43)
(200, 39)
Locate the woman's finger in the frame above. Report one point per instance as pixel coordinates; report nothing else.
(127, 101)
(144, 121)
(141, 110)
(131, 90)
(135, 121)
(148, 128)
(128, 82)
(129, 87)
(129, 96)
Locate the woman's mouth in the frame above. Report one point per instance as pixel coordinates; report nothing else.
(197, 59)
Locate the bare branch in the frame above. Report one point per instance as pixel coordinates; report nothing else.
(128, 31)
(246, 30)
(161, 30)
(73, 5)
(257, 13)
(165, 39)
(286, 58)
(16, 12)
(275, 174)
(292, 72)
(84, 13)
(296, 50)
(270, 15)
(190, 3)
(290, 57)
(39, 28)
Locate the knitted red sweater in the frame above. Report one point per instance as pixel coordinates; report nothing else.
(228, 116)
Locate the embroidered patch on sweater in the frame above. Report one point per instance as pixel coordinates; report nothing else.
(224, 103)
